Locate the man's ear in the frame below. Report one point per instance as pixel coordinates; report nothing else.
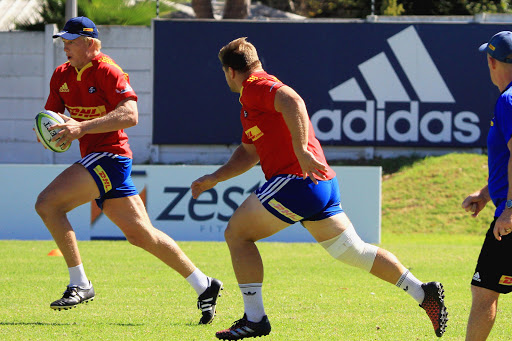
(231, 72)
(491, 61)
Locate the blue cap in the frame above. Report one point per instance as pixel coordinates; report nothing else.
(499, 47)
(76, 27)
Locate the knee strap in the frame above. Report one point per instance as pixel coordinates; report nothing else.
(350, 249)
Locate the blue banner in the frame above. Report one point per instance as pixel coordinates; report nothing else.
(364, 84)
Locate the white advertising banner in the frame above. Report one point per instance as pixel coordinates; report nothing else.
(167, 195)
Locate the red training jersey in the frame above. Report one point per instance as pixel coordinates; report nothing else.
(92, 92)
(265, 128)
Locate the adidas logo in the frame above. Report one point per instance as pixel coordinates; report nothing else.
(476, 277)
(388, 108)
(64, 88)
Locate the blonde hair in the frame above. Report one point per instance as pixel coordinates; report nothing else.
(240, 55)
(96, 41)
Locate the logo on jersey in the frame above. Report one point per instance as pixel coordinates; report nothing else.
(92, 90)
(253, 78)
(254, 133)
(107, 185)
(376, 110)
(284, 211)
(245, 113)
(64, 88)
(506, 280)
(128, 88)
(87, 113)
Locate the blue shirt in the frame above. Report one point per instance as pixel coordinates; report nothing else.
(498, 152)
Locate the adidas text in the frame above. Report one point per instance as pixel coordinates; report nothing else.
(381, 106)
(462, 126)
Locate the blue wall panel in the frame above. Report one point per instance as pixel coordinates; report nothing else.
(364, 84)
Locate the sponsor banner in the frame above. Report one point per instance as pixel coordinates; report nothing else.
(365, 84)
(166, 193)
(19, 217)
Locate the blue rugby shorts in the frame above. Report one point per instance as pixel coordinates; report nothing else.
(112, 174)
(292, 199)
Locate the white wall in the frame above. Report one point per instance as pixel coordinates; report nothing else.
(27, 60)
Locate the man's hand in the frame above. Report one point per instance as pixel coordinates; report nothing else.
(503, 225)
(202, 184)
(310, 166)
(474, 203)
(70, 130)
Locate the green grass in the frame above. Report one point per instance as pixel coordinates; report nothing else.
(426, 197)
(308, 295)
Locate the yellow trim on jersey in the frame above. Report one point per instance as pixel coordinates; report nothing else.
(79, 73)
(240, 97)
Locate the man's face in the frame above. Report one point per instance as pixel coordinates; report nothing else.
(77, 52)
(228, 74)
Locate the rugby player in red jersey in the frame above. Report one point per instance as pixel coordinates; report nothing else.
(101, 104)
(300, 187)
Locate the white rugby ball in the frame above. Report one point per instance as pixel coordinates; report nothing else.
(44, 120)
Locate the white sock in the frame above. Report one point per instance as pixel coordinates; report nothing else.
(253, 301)
(412, 286)
(199, 281)
(77, 277)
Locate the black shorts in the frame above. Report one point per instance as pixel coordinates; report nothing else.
(494, 268)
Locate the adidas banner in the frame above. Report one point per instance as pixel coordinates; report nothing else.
(365, 84)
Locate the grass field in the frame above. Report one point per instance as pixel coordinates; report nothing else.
(308, 295)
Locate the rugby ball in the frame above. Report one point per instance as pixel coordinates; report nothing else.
(44, 120)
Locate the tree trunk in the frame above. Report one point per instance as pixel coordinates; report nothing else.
(203, 9)
(237, 9)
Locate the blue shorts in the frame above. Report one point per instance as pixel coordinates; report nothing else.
(291, 198)
(112, 174)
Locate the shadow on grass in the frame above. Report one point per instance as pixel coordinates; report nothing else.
(64, 324)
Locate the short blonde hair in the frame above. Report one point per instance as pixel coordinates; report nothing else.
(96, 41)
(240, 55)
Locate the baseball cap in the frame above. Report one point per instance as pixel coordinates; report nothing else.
(499, 47)
(78, 26)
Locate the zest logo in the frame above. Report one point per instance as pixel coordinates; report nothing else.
(506, 280)
(254, 133)
(202, 208)
(284, 211)
(87, 113)
(107, 185)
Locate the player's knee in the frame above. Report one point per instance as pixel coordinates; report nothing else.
(43, 205)
(135, 239)
(229, 234)
(350, 249)
(142, 236)
(234, 235)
